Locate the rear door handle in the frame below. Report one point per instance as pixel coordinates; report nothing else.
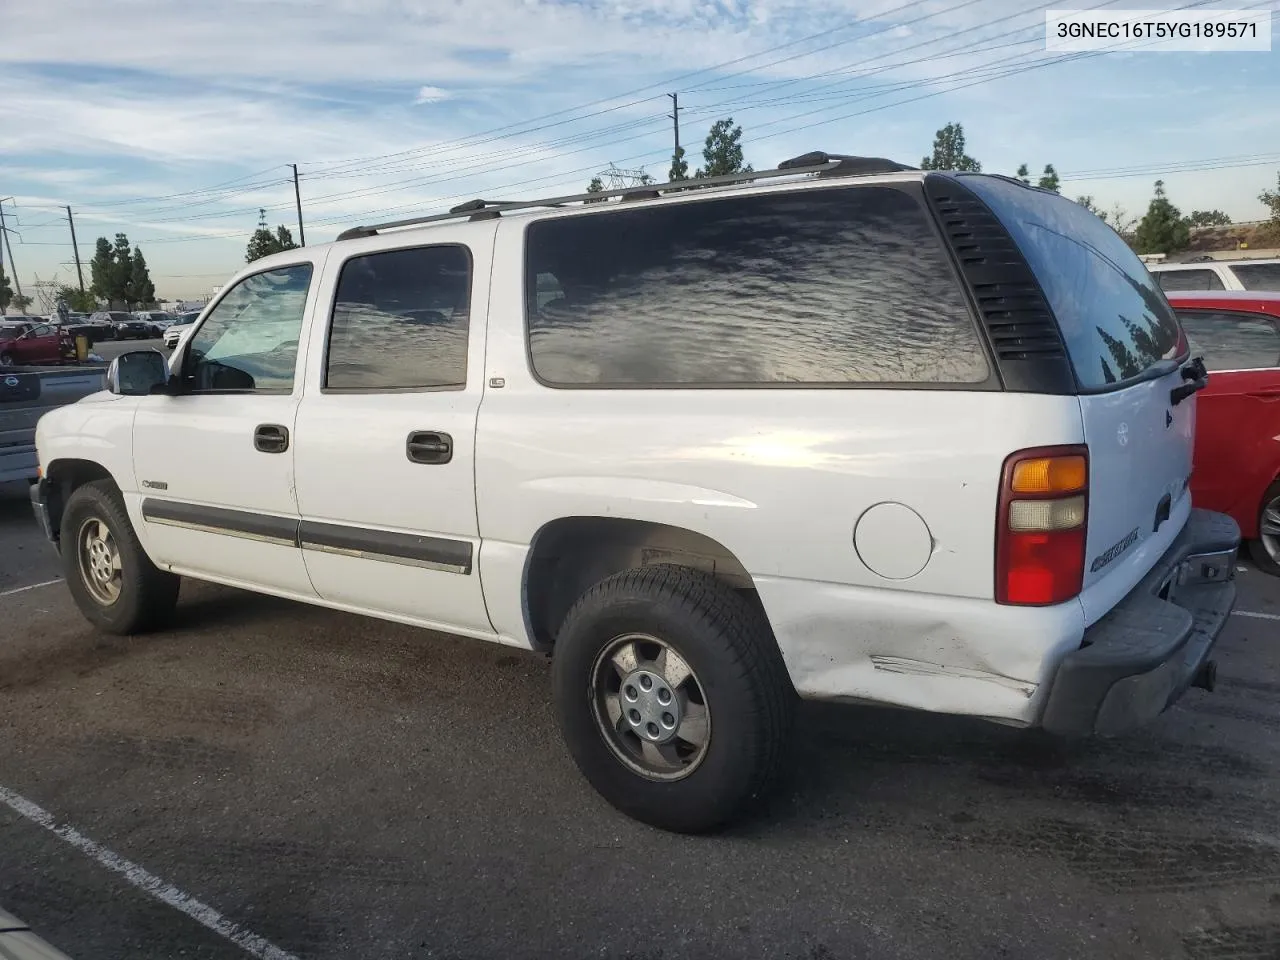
(429, 446)
(271, 438)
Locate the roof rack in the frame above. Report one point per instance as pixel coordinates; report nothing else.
(816, 163)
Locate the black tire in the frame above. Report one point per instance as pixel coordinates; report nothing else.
(1257, 550)
(147, 595)
(6, 360)
(731, 650)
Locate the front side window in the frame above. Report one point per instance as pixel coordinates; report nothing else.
(1232, 341)
(833, 287)
(1258, 276)
(249, 342)
(1113, 316)
(400, 321)
(1189, 280)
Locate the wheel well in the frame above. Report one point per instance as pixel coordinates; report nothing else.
(63, 477)
(572, 554)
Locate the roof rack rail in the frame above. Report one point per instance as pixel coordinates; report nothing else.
(816, 163)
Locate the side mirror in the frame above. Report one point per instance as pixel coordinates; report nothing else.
(137, 373)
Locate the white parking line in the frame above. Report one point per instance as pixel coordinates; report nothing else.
(1256, 616)
(32, 586)
(166, 893)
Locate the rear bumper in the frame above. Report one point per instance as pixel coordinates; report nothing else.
(1144, 654)
(19, 463)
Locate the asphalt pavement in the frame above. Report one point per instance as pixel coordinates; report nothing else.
(329, 786)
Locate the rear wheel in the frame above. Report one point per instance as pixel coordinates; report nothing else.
(1265, 551)
(114, 583)
(672, 697)
(6, 360)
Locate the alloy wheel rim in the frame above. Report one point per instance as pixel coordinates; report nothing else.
(649, 707)
(1269, 529)
(101, 569)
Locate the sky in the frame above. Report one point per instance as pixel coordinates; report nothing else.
(174, 122)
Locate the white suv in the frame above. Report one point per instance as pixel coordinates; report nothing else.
(848, 431)
(1209, 274)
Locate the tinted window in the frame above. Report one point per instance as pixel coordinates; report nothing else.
(1232, 341)
(1113, 317)
(1258, 276)
(400, 320)
(837, 286)
(250, 339)
(1189, 280)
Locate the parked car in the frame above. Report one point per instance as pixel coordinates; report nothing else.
(25, 396)
(1237, 459)
(842, 429)
(33, 343)
(157, 318)
(1207, 274)
(180, 326)
(133, 328)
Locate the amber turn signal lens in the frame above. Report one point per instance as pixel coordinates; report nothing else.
(1050, 475)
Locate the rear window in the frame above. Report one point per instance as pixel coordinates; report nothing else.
(828, 287)
(1114, 318)
(1189, 280)
(1258, 276)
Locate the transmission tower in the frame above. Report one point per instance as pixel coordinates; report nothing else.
(617, 179)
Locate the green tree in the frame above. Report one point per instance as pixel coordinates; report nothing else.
(948, 151)
(1163, 229)
(141, 290)
(596, 186)
(6, 292)
(121, 271)
(81, 301)
(263, 242)
(1271, 200)
(1208, 218)
(722, 151)
(1088, 204)
(21, 301)
(679, 166)
(1049, 179)
(100, 269)
(1024, 174)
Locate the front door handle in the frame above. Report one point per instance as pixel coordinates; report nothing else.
(429, 446)
(271, 438)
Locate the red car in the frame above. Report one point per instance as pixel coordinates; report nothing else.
(1237, 454)
(33, 343)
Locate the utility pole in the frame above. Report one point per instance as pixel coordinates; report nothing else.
(675, 119)
(297, 197)
(4, 233)
(75, 248)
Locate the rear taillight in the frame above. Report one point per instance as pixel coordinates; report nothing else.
(1040, 525)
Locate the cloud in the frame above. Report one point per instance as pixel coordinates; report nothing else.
(431, 95)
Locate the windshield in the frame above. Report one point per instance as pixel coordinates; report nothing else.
(1113, 316)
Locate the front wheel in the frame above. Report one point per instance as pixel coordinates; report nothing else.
(113, 581)
(1265, 551)
(672, 697)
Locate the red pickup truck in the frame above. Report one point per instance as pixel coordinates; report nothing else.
(33, 343)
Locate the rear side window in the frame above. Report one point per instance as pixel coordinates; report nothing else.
(819, 287)
(1232, 341)
(1115, 320)
(1189, 280)
(1258, 276)
(400, 321)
